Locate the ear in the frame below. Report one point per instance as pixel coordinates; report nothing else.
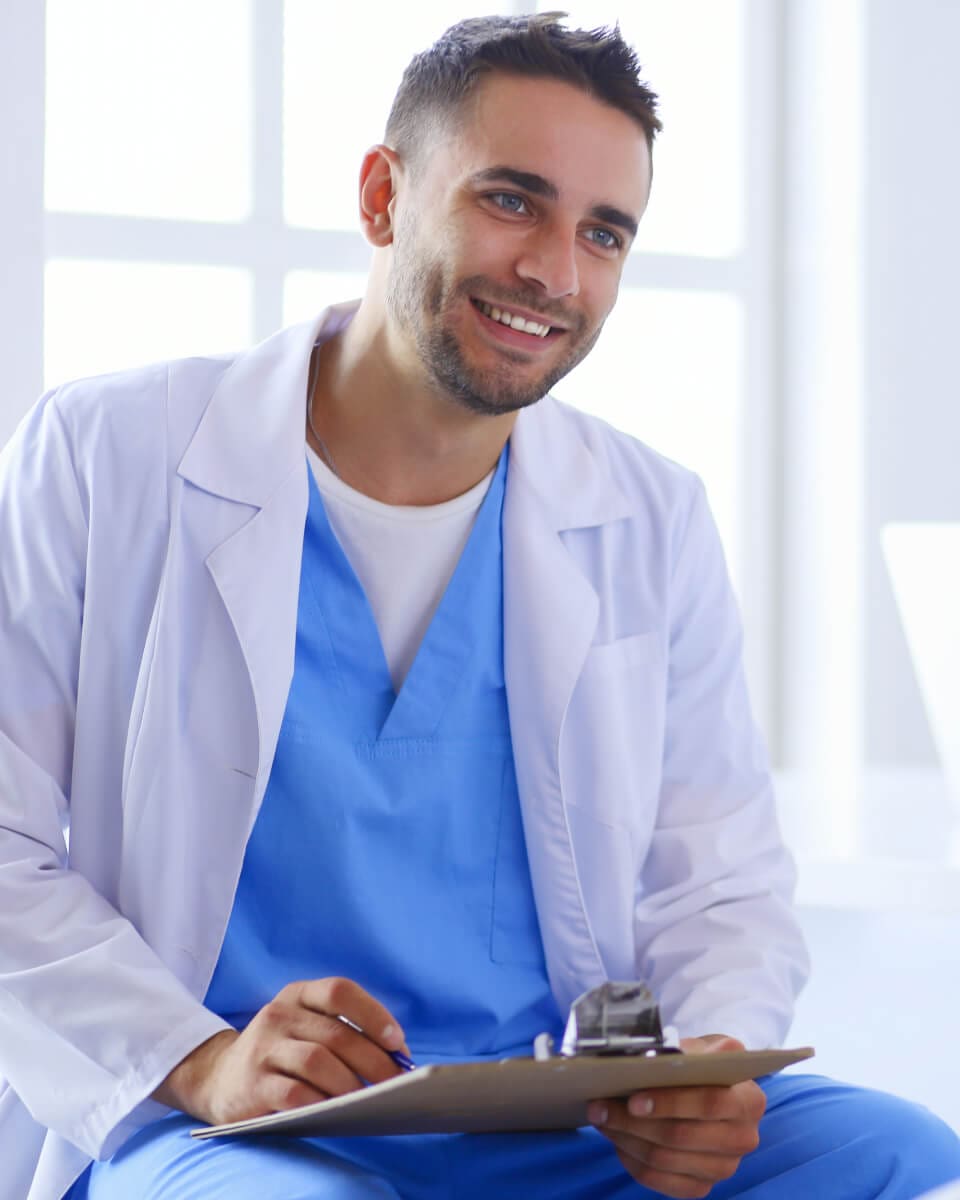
(379, 178)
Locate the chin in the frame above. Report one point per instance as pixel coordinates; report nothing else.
(478, 398)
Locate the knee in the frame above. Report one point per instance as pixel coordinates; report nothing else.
(917, 1148)
(857, 1141)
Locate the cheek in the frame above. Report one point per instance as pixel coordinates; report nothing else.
(434, 292)
(598, 294)
(484, 246)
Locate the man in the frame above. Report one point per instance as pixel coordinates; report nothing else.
(400, 743)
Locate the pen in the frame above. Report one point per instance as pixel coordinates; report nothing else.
(402, 1061)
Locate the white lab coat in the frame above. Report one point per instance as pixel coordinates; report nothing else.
(151, 526)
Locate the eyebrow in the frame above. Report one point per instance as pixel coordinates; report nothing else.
(537, 185)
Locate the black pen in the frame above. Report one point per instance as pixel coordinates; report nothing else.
(402, 1061)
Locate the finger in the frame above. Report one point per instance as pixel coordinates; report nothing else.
(710, 1043)
(279, 1093)
(697, 1137)
(313, 1064)
(739, 1102)
(342, 997)
(363, 1057)
(683, 1187)
(706, 1168)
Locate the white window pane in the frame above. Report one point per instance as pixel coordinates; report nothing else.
(342, 66)
(305, 293)
(668, 370)
(103, 316)
(149, 108)
(692, 54)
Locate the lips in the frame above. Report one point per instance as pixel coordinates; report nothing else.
(517, 320)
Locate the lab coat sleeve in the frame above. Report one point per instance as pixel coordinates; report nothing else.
(90, 1019)
(715, 933)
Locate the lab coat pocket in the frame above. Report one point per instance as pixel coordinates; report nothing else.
(613, 658)
(611, 748)
(514, 930)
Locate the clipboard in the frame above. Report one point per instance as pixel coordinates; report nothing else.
(509, 1095)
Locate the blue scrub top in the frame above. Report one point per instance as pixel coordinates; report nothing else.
(389, 848)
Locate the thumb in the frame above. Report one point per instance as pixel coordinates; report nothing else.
(710, 1043)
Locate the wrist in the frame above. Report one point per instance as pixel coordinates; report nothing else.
(188, 1086)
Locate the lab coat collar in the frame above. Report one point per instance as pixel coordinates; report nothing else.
(253, 432)
(574, 488)
(252, 435)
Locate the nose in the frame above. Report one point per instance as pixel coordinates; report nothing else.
(549, 260)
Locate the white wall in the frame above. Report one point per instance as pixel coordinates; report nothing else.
(912, 329)
(885, 986)
(881, 1003)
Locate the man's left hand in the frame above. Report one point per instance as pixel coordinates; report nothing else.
(681, 1141)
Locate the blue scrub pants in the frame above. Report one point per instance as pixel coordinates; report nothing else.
(819, 1140)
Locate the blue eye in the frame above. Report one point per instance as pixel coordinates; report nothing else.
(606, 239)
(509, 201)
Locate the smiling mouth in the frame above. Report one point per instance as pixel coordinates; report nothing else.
(515, 321)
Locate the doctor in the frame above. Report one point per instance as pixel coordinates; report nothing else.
(373, 683)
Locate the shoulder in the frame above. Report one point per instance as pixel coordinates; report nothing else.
(123, 434)
(654, 486)
(147, 407)
(119, 437)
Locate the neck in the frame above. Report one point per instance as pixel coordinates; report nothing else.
(391, 433)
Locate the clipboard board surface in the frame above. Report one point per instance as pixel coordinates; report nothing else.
(509, 1095)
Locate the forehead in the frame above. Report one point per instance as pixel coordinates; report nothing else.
(590, 150)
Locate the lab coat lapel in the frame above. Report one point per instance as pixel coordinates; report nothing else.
(550, 619)
(256, 572)
(249, 450)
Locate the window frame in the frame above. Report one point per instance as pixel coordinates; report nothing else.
(266, 246)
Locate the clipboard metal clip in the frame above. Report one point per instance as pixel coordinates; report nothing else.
(612, 1019)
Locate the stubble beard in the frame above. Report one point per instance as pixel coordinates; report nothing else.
(418, 295)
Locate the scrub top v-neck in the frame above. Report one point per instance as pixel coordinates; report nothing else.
(389, 848)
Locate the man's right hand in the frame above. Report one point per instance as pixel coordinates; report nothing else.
(293, 1052)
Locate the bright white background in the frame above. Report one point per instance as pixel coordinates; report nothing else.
(180, 178)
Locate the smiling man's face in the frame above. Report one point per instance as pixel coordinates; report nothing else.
(524, 213)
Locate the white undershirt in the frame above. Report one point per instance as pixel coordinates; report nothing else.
(403, 556)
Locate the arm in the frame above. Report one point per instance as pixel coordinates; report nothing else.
(716, 936)
(70, 964)
(92, 1022)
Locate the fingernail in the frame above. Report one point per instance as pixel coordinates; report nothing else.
(392, 1033)
(640, 1106)
(597, 1114)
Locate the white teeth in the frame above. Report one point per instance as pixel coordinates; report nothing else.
(514, 322)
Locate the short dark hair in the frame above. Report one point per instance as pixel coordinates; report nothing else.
(439, 79)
